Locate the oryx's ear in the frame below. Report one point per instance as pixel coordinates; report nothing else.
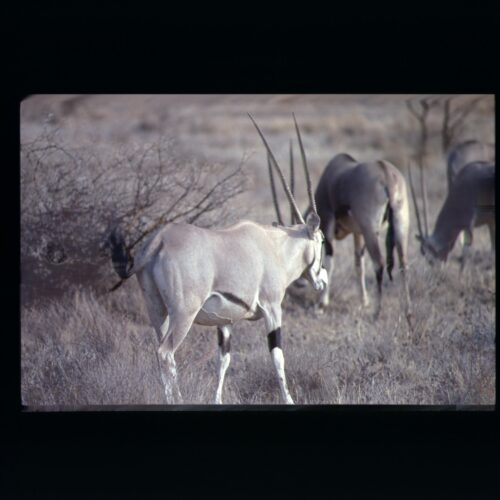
(312, 223)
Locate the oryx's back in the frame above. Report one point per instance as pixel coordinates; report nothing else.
(477, 180)
(234, 259)
(346, 182)
(468, 152)
(472, 195)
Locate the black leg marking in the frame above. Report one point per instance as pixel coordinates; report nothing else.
(379, 273)
(328, 248)
(224, 344)
(274, 339)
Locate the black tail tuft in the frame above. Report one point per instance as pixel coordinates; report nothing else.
(120, 256)
(389, 242)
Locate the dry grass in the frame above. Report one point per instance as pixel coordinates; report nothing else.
(85, 348)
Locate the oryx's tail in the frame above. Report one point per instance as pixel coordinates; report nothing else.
(390, 241)
(123, 261)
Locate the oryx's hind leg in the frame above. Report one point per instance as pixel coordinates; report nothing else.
(157, 311)
(272, 318)
(401, 228)
(224, 341)
(158, 316)
(359, 264)
(373, 247)
(178, 327)
(467, 244)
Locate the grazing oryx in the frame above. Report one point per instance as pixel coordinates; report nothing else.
(467, 152)
(470, 203)
(357, 198)
(217, 277)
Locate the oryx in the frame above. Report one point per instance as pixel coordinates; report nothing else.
(470, 203)
(361, 198)
(216, 277)
(460, 155)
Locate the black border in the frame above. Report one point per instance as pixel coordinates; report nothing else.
(195, 453)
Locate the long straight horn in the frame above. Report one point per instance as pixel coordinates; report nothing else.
(306, 169)
(424, 196)
(417, 213)
(273, 190)
(278, 169)
(292, 180)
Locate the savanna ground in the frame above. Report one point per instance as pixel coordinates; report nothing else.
(82, 345)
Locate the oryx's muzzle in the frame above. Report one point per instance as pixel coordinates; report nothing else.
(321, 281)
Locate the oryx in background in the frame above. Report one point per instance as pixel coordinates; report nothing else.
(217, 277)
(460, 155)
(470, 203)
(362, 198)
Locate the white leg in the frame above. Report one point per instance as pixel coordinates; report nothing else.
(467, 244)
(224, 334)
(169, 377)
(272, 318)
(325, 294)
(279, 365)
(178, 327)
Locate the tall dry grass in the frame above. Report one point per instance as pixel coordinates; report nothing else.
(101, 350)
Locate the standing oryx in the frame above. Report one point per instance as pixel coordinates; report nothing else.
(470, 203)
(217, 277)
(358, 198)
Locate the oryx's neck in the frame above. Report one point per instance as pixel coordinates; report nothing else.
(445, 231)
(293, 247)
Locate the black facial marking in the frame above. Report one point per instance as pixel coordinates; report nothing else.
(379, 273)
(274, 339)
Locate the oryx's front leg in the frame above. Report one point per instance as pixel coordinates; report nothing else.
(467, 244)
(359, 264)
(328, 262)
(328, 265)
(224, 341)
(273, 327)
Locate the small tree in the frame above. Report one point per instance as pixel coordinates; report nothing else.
(454, 117)
(420, 109)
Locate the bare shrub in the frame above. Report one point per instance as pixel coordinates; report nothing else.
(71, 196)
